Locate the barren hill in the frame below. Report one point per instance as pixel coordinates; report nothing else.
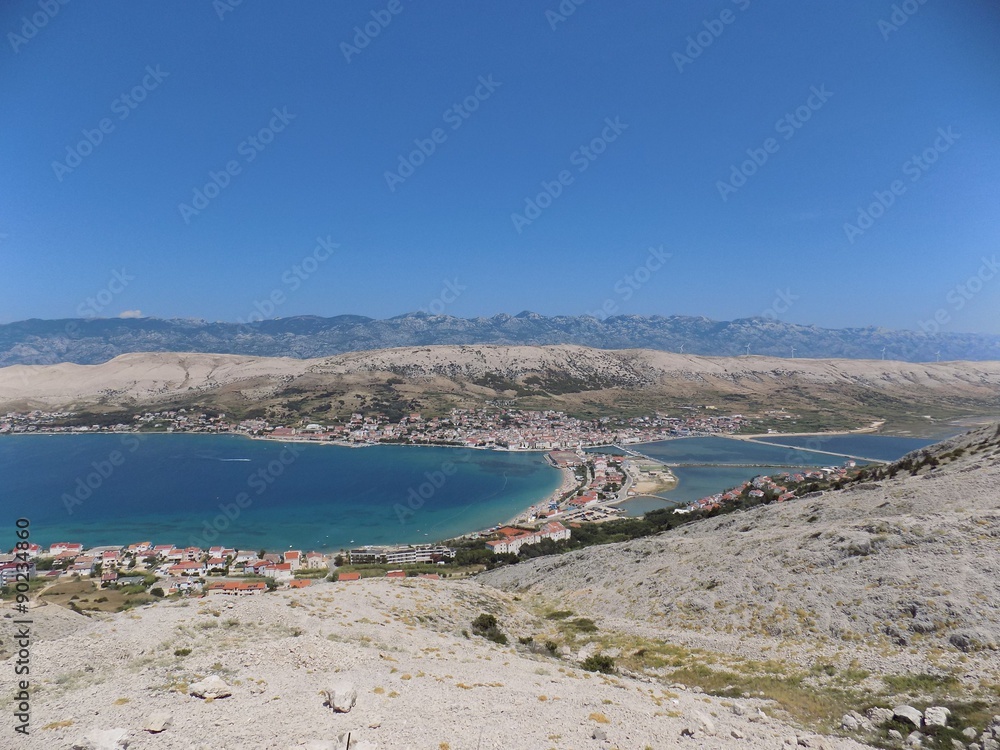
(569, 377)
(884, 588)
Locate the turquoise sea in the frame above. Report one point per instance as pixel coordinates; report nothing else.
(219, 489)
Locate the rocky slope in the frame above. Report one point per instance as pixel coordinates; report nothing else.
(564, 376)
(887, 588)
(90, 341)
(420, 682)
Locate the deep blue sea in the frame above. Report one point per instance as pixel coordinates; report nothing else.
(177, 489)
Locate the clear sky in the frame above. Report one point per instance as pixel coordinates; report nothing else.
(213, 161)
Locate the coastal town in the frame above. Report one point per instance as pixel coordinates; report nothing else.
(498, 428)
(165, 570)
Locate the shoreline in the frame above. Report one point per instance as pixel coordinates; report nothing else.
(568, 481)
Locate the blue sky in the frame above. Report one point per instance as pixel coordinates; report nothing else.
(329, 207)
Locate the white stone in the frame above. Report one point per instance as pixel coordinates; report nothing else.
(706, 724)
(157, 722)
(910, 714)
(211, 687)
(341, 697)
(936, 716)
(103, 739)
(879, 716)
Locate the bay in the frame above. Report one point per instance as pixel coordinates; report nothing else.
(200, 490)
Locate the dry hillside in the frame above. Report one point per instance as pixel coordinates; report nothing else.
(888, 588)
(573, 378)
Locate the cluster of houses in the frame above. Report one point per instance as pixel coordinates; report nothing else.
(760, 486)
(496, 427)
(606, 471)
(401, 554)
(181, 568)
(512, 538)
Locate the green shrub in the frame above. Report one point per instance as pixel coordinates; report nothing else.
(486, 626)
(599, 663)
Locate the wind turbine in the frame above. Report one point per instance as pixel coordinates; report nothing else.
(938, 355)
(682, 349)
(883, 352)
(793, 352)
(748, 350)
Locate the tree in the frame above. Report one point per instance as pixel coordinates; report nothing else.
(157, 592)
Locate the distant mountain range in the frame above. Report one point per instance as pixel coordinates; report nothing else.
(91, 341)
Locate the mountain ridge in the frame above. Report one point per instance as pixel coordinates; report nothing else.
(94, 340)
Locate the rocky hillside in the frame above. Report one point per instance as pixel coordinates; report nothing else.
(884, 592)
(90, 341)
(256, 673)
(567, 377)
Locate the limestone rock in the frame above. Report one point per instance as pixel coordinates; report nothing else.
(908, 714)
(157, 722)
(599, 734)
(894, 735)
(936, 716)
(103, 739)
(705, 725)
(990, 744)
(341, 697)
(879, 716)
(970, 733)
(212, 686)
(849, 723)
(914, 739)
